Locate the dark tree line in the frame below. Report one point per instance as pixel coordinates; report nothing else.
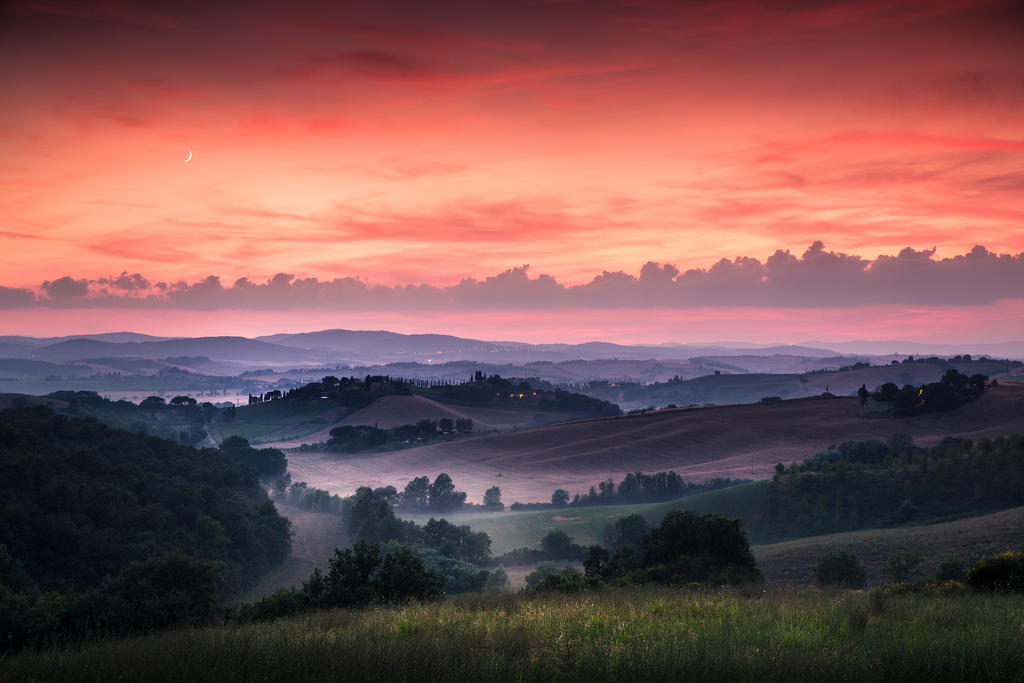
(356, 577)
(265, 462)
(369, 514)
(684, 548)
(868, 484)
(353, 439)
(182, 419)
(635, 487)
(96, 523)
(497, 390)
(953, 390)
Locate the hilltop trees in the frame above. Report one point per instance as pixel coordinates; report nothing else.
(638, 487)
(954, 389)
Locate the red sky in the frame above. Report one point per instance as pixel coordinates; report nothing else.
(409, 143)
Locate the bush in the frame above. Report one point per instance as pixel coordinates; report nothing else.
(544, 570)
(557, 578)
(687, 548)
(558, 545)
(840, 570)
(498, 582)
(1002, 572)
(906, 511)
(358, 576)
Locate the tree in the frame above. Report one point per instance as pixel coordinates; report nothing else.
(370, 517)
(955, 379)
(165, 591)
(457, 541)
(560, 497)
(498, 581)
(628, 530)
(414, 496)
(688, 548)
(153, 404)
(442, 496)
(362, 575)
(403, 577)
(863, 394)
(492, 499)
(234, 443)
(265, 462)
(596, 562)
(446, 424)
(840, 570)
(463, 425)
(906, 511)
(558, 544)
(888, 392)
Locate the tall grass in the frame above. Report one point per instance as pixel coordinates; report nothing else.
(610, 635)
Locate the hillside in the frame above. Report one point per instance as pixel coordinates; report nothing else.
(79, 501)
(749, 380)
(393, 411)
(793, 562)
(700, 443)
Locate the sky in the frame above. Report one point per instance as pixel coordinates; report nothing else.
(546, 171)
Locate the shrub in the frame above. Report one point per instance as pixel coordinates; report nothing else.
(687, 547)
(841, 570)
(561, 579)
(545, 570)
(1002, 572)
(498, 582)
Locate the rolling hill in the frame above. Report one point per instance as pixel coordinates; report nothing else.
(793, 562)
(393, 411)
(722, 441)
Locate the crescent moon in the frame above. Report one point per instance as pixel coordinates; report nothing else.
(189, 157)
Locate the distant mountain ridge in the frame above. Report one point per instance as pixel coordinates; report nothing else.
(380, 347)
(220, 348)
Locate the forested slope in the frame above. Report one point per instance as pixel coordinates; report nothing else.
(95, 522)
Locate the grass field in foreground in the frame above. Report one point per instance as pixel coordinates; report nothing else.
(510, 530)
(610, 635)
